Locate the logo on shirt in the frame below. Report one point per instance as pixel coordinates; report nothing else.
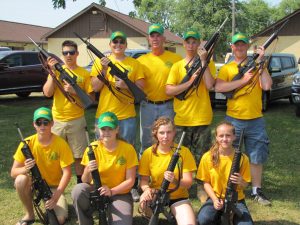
(121, 160)
(168, 64)
(53, 156)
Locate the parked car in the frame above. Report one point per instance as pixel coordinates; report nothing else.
(5, 49)
(296, 93)
(21, 73)
(134, 53)
(282, 67)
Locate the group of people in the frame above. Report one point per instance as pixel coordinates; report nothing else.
(60, 136)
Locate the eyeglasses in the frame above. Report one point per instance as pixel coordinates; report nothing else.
(40, 122)
(65, 53)
(121, 42)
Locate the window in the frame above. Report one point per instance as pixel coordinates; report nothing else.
(13, 60)
(287, 63)
(275, 62)
(31, 59)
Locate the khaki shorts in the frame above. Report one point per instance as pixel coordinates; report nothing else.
(61, 209)
(74, 133)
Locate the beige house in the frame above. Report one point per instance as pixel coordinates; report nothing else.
(97, 23)
(13, 35)
(288, 38)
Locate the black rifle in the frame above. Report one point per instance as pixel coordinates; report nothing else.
(40, 186)
(98, 202)
(162, 196)
(64, 76)
(137, 93)
(251, 63)
(231, 195)
(209, 47)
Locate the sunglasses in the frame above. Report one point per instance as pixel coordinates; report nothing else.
(122, 42)
(42, 122)
(65, 53)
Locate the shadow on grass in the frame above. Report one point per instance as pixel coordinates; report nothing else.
(275, 222)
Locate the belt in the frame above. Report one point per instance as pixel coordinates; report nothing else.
(158, 102)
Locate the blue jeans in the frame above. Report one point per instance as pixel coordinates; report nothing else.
(148, 114)
(255, 138)
(127, 130)
(208, 215)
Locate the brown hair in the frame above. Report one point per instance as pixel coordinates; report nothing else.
(69, 43)
(161, 121)
(215, 155)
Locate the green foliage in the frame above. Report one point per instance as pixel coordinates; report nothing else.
(285, 7)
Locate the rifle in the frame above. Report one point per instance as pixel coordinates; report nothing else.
(137, 93)
(162, 197)
(251, 63)
(40, 187)
(209, 47)
(98, 202)
(64, 76)
(231, 195)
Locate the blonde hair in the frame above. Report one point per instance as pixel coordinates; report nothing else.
(161, 121)
(214, 150)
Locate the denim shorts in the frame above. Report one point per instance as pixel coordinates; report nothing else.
(255, 138)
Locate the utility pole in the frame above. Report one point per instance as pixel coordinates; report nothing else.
(233, 17)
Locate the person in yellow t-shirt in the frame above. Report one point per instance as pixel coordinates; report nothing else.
(53, 156)
(244, 110)
(116, 161)
(116, 102)
(214, 170)
(156, 65)
(193, 114)
(69, 120)
(152, 170)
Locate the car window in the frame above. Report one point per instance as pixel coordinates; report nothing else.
(275, 62)
(13, 60)
(287, 63)
(31, 59)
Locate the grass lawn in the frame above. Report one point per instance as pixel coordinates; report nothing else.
(281, 175)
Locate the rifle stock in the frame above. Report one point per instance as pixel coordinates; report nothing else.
(231, 196)
(162, 195)
(39, 184)
(209, 47)
(98, 202)
(137, 93)
(64, 76)
(252, 61)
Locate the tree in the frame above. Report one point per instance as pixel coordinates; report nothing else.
(285, 8)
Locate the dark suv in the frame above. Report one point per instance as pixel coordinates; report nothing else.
(21, 73)
(282, 67)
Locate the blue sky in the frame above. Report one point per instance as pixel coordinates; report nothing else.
(41, 12)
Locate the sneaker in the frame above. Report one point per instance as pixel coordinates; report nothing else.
(135, 194)
(261, 198)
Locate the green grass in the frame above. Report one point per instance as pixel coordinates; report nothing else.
(281, 175)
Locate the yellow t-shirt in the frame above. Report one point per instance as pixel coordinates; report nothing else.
(196, 109)
(49, 159)
(112, 166)
(248, 104)
(154, 166)
(122, 105)
(218, 177)
(62, 109)
(156, 69)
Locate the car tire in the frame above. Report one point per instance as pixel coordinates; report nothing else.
(297, 110)
(291, 100)
(265, 102)
(23, 94)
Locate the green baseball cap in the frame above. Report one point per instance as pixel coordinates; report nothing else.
(240, 37)
(191, 33)
(118, 34)
(108, 119)
(42, 112)
(156, 27)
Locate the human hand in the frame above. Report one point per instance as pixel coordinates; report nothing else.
(202, 53)
(261, 52)
(169, 176)
(218, 204)
(92, 165)
(29, 163)
(51, 62)
(236, 178)
(106, 191)
(104, 62)
(68, 88)
(120, 83)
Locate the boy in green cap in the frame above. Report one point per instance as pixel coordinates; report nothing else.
(53, 157)
(244, 110)
(193, 114)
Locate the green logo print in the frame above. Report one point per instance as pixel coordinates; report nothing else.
(53, 156)
(121, 161)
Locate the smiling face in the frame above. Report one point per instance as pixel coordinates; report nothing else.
(240, 49)
(156, 40)
(118, 46)
(225, 136)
